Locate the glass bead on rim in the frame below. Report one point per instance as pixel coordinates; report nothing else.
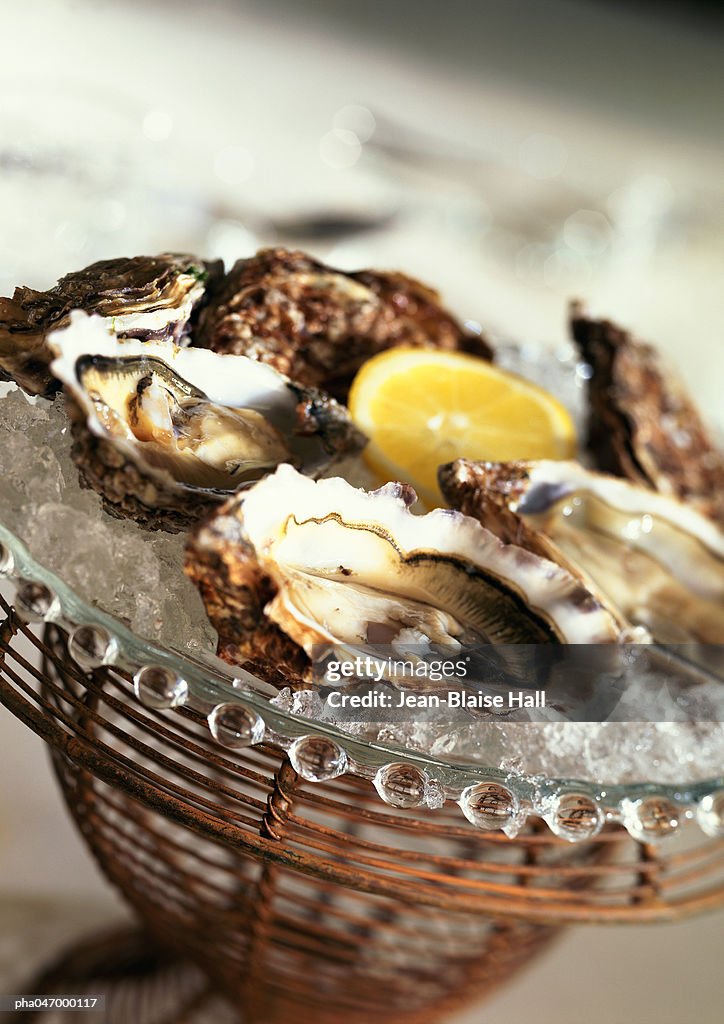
(236, 725)
(317, 758)
(7, 562)
(651, 818)
(402, 785)
(158, 686)
(36, 602)
(92, 646)
(710, 814)
(575, 817)
(489, 805)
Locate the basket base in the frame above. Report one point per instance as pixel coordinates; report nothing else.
(140, 983)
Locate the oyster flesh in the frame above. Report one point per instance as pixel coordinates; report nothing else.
(656, 559)
(318, 325)
(295, 567)
(163, 432)
(643, 424)
(145, 297)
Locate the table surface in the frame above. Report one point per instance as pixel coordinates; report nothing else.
(235, 110)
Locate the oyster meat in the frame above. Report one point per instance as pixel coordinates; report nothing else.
(643, 425)
(295, 567)
(163, 432)
(145, 297)
(656, 559)
(318, 325)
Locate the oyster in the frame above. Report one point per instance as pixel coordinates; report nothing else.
(294, 567)
(643, 424)
(163, 432)
(146, 297)
(656, 559)
(318, 325)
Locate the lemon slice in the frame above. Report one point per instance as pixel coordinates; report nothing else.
(421, 408)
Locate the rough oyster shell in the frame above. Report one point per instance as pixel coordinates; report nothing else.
(294, 566)
(318, 325)
(164, 433)
(643, 424)
(146, 297)
(657, 560)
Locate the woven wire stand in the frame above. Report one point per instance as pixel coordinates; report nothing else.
(308, 901)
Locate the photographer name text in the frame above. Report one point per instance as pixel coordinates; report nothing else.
(452, 699)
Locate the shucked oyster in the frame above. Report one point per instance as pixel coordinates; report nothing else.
(163, 432)
(146, 297)
(318, 325)
(643, 424)
(294, 566)
(659, 561)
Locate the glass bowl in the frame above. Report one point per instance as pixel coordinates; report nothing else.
(243, 710)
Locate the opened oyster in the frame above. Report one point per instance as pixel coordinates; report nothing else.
(295, 567)
(643, 424)
(318, 325)
(163, 432)
(146, 297)
(657, 560)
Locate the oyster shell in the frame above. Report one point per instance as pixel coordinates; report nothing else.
(318, 325)
(293, 567)
(643, 424)
(146, 297)
(164, 433)
(657, 560)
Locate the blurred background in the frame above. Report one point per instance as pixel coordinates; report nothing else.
(515, 155)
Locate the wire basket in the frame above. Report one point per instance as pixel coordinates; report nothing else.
(310, 900)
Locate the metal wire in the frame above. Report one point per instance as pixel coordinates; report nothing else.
(310, 901)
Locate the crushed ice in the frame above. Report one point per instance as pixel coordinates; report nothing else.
(134, 574)
(68, 532)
